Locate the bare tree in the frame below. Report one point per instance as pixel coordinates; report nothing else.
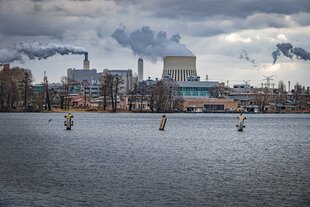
(166, 97)
(26, 81)
(110, 85)
(281, 87)
(106, 85)
(281, 97)
(117, 81)
(15, 86)
(64, 94)
(297, 92)
(132, 94)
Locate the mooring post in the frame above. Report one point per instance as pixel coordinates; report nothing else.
(163, 121)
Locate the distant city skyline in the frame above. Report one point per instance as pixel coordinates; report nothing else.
(232, 40)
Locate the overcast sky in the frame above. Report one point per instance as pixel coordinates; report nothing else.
(217, 32)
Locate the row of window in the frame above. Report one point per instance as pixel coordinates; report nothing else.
(194, 93)
(194, 89)
(216, 107)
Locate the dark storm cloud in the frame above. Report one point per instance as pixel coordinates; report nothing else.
(213, 17)
(29, 20)
(38, 17)
(31, 26)
(196, 9)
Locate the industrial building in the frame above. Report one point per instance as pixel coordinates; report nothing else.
(126, 78)
(196, 89)
(179, 68)
(88, 81)
(210, 105)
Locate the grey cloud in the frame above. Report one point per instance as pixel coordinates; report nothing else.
(39, 0)
(38, 7)
(197, 9)
(31, 26)
(210, 17)
(101, 30)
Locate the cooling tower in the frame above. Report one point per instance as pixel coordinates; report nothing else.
(179, 67)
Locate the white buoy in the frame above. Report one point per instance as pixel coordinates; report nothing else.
(163, 121)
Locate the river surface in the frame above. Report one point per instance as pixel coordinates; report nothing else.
(124, 160)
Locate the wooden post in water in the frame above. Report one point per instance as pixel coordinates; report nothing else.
(163, 121)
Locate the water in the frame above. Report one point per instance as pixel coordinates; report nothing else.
(124, 160)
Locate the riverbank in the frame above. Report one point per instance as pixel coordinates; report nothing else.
(96, 110)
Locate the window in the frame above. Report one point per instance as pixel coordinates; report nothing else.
(214, 107)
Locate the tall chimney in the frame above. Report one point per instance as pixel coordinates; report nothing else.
(86, 62)
(140, 69)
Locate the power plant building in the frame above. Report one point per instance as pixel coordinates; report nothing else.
(196, 89)
(126, 77)
(83, 75)
(179, 68)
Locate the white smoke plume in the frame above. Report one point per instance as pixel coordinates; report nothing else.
(9, 55)
(147, 44)
(244, 55)
(37, 50)
(288, 50)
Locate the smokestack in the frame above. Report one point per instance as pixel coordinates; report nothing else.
(140, 69)
(86, 56)
(86, 62)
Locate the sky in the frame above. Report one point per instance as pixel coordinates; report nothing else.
(232, 40)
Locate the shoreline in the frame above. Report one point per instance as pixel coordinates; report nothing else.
(91, 110)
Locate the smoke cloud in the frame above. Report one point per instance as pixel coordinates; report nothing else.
(288, 50)
(36, 50)
(244, 55)
(147, 44)
(8, 56)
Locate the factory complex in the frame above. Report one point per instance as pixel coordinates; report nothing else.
(180, 89)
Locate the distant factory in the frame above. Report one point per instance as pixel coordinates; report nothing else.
(179, 69)
(180, 89)
(89, 81)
